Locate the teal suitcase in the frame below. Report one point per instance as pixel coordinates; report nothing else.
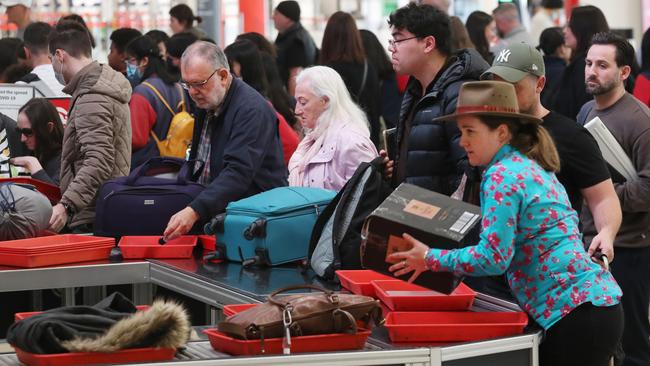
(271, 227)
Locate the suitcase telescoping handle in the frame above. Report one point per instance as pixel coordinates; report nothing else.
(183, 167)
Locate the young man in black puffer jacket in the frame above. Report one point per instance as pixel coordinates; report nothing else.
(427, 152)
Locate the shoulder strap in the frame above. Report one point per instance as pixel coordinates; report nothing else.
(363, 80)
(182, 106)
(159, 96)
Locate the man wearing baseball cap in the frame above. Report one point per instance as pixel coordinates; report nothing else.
(583, 172)
(19, 13)
(296, 48)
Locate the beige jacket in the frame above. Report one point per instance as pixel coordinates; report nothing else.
(97, 138)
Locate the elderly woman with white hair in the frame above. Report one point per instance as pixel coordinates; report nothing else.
(337, 138)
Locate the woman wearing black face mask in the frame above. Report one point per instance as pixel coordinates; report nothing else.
(153, 87)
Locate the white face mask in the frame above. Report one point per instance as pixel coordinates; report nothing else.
(59, 75)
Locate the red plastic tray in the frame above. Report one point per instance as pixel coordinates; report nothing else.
(301, 344)
(209, 242)
(27, 314)
(400, 295)
(76, 359)
(52, 192)
(229, 310)
(55, 258)
(360, 281)
(53, 243)
(93, 358)
(419, 327)
(137, 247)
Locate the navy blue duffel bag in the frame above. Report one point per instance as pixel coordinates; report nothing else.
(141, 203)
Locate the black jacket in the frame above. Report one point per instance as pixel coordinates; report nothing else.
(295, 48)
(571, 92)
(246, 155)
(435, 160)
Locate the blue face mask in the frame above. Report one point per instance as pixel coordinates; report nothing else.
(133, 74)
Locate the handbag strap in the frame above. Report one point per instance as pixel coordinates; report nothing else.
(330, 294)
(363, 80)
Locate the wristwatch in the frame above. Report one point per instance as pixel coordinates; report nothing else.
(69, 209)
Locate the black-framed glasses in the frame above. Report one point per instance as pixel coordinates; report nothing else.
(393, 42)
(24, 131)
(198, 84)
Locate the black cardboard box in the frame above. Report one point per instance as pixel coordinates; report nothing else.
(435, 219)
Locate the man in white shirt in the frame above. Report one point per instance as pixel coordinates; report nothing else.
(36, 49)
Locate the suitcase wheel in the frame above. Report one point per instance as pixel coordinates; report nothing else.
(256, 230)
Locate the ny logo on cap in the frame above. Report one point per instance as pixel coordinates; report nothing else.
(503, 56)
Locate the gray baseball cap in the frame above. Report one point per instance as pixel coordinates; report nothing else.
(515, 61)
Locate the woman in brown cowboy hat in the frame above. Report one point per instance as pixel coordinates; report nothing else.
(529, 231)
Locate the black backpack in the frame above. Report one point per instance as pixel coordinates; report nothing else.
(336, 238)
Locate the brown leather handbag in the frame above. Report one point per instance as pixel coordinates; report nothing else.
(302, 314)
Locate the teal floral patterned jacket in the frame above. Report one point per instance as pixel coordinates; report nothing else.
(530, 232)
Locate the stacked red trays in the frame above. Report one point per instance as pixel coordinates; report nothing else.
(53, 250)
(403, 296)
(360, 281)
(132, 355)
(453, 326)
(415, 314)
(272, 346)
(139, 247)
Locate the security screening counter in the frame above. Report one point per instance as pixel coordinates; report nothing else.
(219, 284)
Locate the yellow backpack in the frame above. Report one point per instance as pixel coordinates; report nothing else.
(181, 127)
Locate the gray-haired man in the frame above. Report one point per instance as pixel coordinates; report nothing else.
(235, 135)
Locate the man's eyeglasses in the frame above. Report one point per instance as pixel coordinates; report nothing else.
(199, 84)
(393, 42)
(24, 131)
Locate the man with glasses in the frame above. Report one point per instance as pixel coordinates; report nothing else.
(235, 136)
(97, 139)
(427, 152)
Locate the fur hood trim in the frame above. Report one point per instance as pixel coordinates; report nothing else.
(163, 325)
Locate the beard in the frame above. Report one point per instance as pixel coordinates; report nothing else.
(601, 88)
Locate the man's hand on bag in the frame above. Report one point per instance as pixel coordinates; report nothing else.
(180, 224)
(388, 165)
(59, 218)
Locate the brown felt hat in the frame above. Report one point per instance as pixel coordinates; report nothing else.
(488, 98)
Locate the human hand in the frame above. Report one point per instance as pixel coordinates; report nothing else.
(181, 223)
(602, 243)
(410, 260)
(388, 165)
(28, 162)
(59, 218)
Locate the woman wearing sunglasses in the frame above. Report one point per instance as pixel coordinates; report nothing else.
(41, 130)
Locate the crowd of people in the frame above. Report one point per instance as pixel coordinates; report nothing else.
(487, 111)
